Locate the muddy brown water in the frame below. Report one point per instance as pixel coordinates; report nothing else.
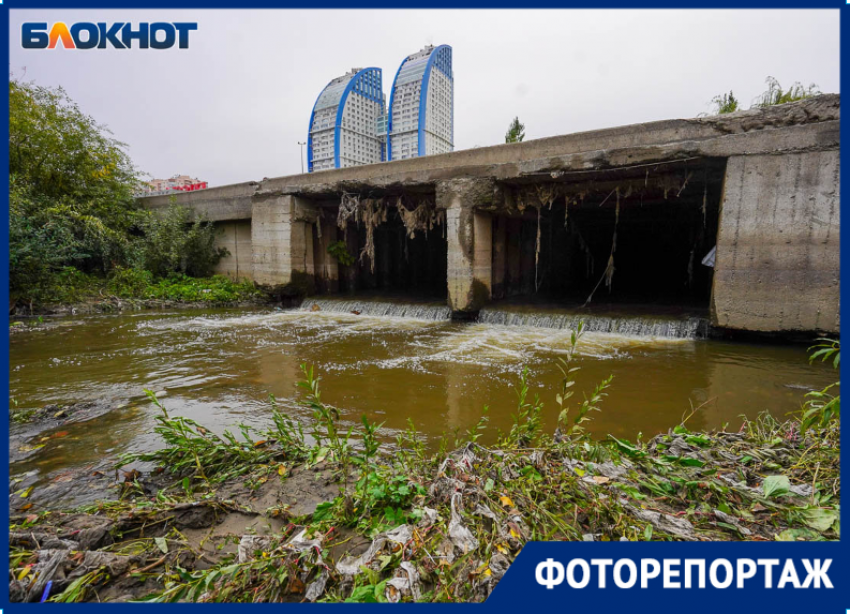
(219, 366)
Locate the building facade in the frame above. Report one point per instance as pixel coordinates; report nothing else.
(177, 183)
(347, 125)
(421, 114)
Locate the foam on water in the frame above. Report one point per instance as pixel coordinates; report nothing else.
(417, 311)
(630, 326)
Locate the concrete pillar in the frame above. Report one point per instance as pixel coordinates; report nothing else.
(777, 265)
(282, 242)
(469, 233)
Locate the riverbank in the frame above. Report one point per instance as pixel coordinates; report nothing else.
(310, 512)
(130, 290)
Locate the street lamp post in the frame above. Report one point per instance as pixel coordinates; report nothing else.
(302, 155)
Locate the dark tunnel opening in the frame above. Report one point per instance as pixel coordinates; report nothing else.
(624, 237)
(405, 264)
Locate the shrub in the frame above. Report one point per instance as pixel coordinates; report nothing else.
(174, 243)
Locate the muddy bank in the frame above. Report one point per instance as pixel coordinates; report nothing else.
(411, 527)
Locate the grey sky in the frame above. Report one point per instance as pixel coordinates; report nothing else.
(234, 105)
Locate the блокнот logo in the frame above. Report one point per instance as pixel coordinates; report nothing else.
(88, 35)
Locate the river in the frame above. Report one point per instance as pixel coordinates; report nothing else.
(392, 362)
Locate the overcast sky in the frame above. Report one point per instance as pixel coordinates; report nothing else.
(234, 105)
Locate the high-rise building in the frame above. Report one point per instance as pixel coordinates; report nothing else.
(421, 113)
(348, 123)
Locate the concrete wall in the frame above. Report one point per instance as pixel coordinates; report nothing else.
(236, 237)
(777, 263)
(282, 242)
(804, 125)
(225, 203)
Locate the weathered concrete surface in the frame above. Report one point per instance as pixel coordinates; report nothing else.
(777, 263)
(282, 239)
(469, 232)
(801, 126)
(236, 237)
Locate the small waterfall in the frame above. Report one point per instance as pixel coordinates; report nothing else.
(419, 311)
(633, 326)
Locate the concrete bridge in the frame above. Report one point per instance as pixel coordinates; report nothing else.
(620, 216)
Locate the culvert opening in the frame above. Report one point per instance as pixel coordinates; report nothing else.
(626, 238)
(395, 247)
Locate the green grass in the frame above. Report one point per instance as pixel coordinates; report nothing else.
(70, 285)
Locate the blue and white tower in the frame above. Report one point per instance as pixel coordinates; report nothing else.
(347, 125)
(421, 114)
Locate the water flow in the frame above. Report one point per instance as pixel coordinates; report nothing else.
(631, 326)
(419, 311)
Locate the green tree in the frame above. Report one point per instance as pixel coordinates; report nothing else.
(72, 213)
(516, 132)
(71, 188)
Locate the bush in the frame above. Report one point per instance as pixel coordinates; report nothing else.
(174, 243)
(217, 289)
(129, 283)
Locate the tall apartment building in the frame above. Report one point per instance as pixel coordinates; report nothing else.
(421, 114)
(347, 125)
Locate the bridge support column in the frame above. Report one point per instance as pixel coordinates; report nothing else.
(282, 242)
(777, 264)
(469, 232)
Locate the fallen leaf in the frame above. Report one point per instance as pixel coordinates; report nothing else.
(161, 544)
(601, 479)
(25, 507)
(59, 434)
(281, 470)
(506, 501)
(27, 492)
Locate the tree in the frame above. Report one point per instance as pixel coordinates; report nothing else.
(516, 132)
(71, 203)
(71, 187)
